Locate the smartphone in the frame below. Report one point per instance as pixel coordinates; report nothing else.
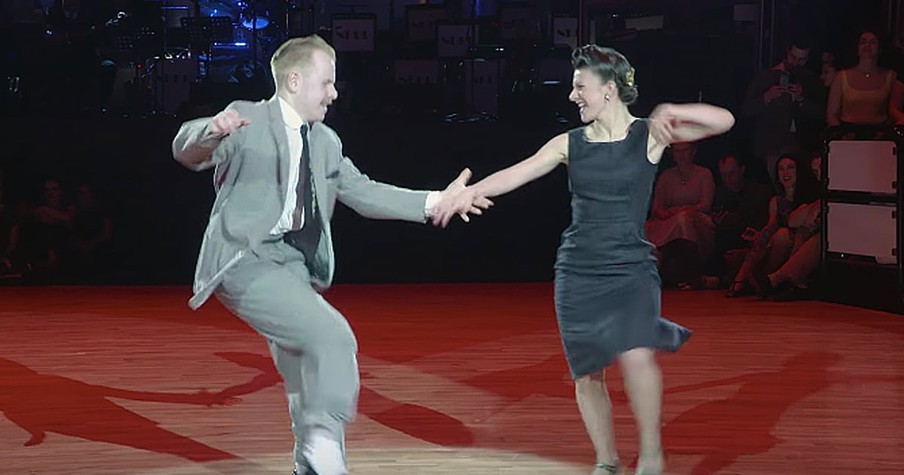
(783, 80)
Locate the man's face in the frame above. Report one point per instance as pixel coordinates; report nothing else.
(732, 173)
(796, 57)
(52, 192)
(315, 89)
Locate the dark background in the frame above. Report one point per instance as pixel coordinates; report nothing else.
(419, 137)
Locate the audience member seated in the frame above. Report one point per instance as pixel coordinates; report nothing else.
(679, 226)
(786, 104)
(89, 237)
(773, 245)
(7, 226)
(862, 95)
(791, 280)
(739, 203)
(828, 70)
(40, 237)
(816, 169)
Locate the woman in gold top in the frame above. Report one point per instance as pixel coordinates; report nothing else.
(863, 94)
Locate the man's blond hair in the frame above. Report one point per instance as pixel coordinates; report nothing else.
(296, 53)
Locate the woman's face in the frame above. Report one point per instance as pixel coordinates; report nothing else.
(683, 153)
(816, 166)
(868, 46)
(589, 93)
(787, 173)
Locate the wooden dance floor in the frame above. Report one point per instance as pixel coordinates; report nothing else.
(456, 379)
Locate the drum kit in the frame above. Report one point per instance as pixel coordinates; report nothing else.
(191, 41)
(239, 23)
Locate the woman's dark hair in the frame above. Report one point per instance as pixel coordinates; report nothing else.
(608, 65)
(884, 54)
(806, 189)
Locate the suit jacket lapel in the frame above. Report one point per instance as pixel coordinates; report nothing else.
(278, 127)
(318, 169)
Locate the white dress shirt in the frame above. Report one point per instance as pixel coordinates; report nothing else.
(293, 123)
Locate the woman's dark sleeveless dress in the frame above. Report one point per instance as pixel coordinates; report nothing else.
(607, 287)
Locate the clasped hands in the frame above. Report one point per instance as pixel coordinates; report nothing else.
(458, 199)
(664, 124)
(774, 92)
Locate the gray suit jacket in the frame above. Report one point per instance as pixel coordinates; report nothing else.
(251, 181)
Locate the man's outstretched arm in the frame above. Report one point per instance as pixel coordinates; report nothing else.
(197, 139)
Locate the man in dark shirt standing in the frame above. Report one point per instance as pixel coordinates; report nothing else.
(786, 105)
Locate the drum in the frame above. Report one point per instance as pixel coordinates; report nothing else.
(210, 8)
(254, 15)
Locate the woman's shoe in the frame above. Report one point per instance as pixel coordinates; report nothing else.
(764, 285)
(686, 286)
(646, 470)
(608, 468)
(739, 288)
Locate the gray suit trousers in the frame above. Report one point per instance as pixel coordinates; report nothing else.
(312, 344)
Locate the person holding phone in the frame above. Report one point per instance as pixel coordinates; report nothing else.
(787, 108)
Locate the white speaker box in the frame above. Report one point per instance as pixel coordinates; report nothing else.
(863, 165)
(862, 230)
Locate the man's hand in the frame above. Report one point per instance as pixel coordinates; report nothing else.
(225, 123)
(774, 93)
(661, 131)
(719, 216)
(458, 199)
(796, 92)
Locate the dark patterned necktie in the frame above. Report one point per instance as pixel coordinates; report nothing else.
(307, 237)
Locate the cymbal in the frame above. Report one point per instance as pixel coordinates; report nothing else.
(215, 8)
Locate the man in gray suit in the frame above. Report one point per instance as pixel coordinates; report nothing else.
(267, 250)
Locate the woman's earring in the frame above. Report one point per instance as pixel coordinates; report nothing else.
(606, 97)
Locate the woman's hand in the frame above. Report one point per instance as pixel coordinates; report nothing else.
(750, 235)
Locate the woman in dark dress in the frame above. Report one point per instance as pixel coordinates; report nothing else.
(607, 289)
